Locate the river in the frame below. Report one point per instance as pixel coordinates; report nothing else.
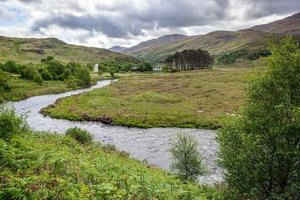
(151, 144)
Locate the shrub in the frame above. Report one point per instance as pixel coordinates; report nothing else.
(55, 68)
(27, 72)
(187, 161)
(80, 135)
(45, 74)
(4, 86)
(36, 77)
(10, 124)
(83, 76)
(10, 66)
(260, 148)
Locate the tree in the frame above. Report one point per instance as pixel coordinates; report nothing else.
(187, 161)
(83, 76)
(260, 149)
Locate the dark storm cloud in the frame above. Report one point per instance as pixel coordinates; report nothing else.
(262, 8)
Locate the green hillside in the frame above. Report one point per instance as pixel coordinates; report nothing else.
(217, 43)
(32, 50)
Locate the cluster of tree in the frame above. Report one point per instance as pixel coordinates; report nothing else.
(260, 149)
(230, 58)
(51, 69)
(190, 60)
(125, 66)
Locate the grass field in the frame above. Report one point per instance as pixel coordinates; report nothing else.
(54, 166)
(194, 99)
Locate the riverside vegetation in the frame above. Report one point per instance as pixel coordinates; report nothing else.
(260, 148)
(54, 166)
(198, 99)
(19, 81)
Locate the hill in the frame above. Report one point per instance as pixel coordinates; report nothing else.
(289, 25)
(219, 43)
(118, 49)
(26, 50)
(216, 43)
(164, 40)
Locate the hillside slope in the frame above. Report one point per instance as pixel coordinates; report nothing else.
(24, 50)
(219, 43)
(289, 25)
(117, 48)
(164, 40)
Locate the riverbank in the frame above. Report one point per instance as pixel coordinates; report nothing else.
(53, 166)
(23, 89)
(195, 99)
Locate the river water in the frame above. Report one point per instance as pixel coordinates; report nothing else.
(151, 145)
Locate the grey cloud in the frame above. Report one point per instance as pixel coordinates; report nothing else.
(262, 8)
(123, 20)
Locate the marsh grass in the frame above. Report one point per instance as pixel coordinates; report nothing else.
(195, 99)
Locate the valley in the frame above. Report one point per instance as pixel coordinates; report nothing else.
(211, 116)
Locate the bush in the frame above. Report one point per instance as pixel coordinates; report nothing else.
(260, 148)
(10, 66)
(10, 124)
(83, 76)
(80, 135)
(36, 77)
(27, 72)
(187, 161)
(45, 74)
(4, 86)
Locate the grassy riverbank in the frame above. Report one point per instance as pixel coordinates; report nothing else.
(53, 166)
(22, 88)
(195, 99)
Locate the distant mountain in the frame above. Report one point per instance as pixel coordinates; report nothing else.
(118, 49)
(217, 43)
(289, 25)
(164, 40)
(26, 50)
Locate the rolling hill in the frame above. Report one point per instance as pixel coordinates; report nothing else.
(26, 50)
(219, 43)
(289, 25)
(117, 49)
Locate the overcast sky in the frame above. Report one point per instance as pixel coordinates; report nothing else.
(105, 23)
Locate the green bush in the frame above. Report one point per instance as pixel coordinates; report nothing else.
(45, 74)
(4, 86)
(83, 76)
(80, 135)
(10, 66)
(36, 77)
(187, 161)
(27, 71)
(260, 148)
(10, 124)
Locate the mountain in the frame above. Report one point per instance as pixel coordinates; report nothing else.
(26, 50)
(164, 40)
(118, 49)
(289, 25)
(218, 43)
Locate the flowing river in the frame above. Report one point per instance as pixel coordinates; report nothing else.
(151, 145)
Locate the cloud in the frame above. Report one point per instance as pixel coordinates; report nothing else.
(126, 22)
(131, 20)
(262, 8)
